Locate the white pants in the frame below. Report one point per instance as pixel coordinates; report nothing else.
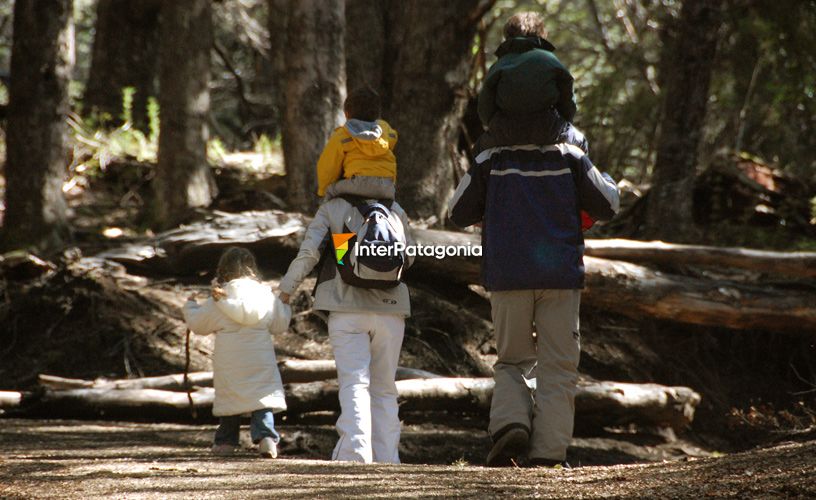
(366, 349)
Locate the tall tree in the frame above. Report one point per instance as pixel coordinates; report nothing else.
(366, 35)
(183, 179)
(277, 24)
(422, 69)
(37, 157)
(687, 62)
(125, 54)
(315, 85)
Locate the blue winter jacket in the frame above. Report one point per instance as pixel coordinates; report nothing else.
(529, 199)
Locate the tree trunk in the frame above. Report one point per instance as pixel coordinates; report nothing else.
(417, 55)
(37, 152)
(689, 60)
(125, 54)
(183, 178)
(366, 33)
(314, 90)
(277, 24)
(428, 96)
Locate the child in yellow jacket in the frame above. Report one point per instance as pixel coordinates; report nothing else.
(359, 157)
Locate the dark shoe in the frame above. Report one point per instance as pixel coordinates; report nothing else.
(510, 447)
(223, 450)
(548, 463)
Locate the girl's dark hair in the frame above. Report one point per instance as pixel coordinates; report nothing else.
(236, 262)
(525, 24)
(363, 104)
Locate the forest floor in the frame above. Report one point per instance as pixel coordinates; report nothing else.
(70, 459)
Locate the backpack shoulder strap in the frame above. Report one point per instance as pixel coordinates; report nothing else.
(360, 202)
(326, 249)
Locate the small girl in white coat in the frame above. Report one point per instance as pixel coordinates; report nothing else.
(242, 313)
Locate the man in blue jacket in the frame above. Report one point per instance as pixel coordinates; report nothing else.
(529, 199)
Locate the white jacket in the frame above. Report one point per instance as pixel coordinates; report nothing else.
(338, 216)
(245, 370)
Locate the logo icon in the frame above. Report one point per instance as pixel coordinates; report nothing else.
(341, 245)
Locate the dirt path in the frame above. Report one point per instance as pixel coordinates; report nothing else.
(63, 459)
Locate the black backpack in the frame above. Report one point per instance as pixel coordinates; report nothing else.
(373, 256)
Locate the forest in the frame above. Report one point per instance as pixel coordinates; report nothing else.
(141, 138)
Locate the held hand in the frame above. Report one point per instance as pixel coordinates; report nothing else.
(218, 293)
(284, 297)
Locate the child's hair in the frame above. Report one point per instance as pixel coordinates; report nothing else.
(236, 262)
(363, 103)
(525, 24)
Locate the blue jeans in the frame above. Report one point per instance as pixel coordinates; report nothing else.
(261, 425)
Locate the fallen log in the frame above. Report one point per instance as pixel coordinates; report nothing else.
(293, 371)
(797, 264)
(597, 404)
(10, 399)
(129, 404)
(651, 403)
(301, 371)
(165, 382)
(638, 291)
(610, 283)
(194, 247)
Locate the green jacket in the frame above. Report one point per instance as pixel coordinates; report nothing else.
(526, 79)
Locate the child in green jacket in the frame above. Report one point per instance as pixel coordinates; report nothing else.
(527, 95)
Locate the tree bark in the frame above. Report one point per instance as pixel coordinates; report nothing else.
(796, 264)
(183, 178)
(689, 60)
(417, 55)
(37, 151)
(366, 34)
(637, 291)
(314, 90)
(428, 95)
(125, 54)
(277, 23)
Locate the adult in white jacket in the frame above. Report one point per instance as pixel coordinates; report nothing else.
(245, 370)
(366, 328)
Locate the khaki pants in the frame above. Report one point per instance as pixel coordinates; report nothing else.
(536, 384)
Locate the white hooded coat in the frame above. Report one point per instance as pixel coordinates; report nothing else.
(245, 369)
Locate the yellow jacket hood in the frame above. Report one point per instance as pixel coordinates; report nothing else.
(370, 137)
(358, 148)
